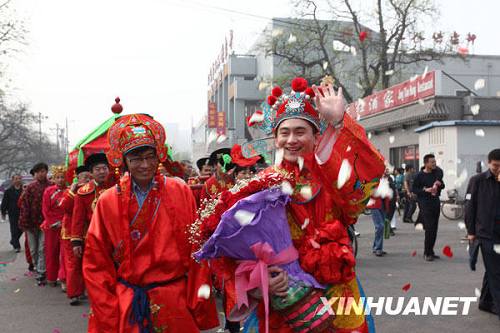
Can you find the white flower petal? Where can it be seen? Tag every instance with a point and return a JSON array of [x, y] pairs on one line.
[[204, 291], [479, 132], [369, 135], [468, 196], [306, 192], [292, 39], [300, 162], [325, 65], [414, 77], [278, 156], [305, 224], [348, 149], [389, 72], [461, 225], [391, 139], [344, 173], [244, 217], [477, 292], [479, 84], [383, 190], [286, 188], [425, 72], [353, 51], [314, 244], [496, 248], [419, 227], [359, 85], [475, 109], [421, 101], [263, 85], [212, 137], [221, 138], [256, 117]]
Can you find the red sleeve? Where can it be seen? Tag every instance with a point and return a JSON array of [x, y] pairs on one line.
[[100, 274], [46, 202], [24, 210], [351, 144], [67, 202], [78, 220], [204, 311]]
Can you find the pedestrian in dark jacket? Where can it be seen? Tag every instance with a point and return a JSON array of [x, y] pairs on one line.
[[427, 186], [482, 218], [9, 207]]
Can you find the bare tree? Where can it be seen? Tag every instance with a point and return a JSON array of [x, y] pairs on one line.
[[361, 48]]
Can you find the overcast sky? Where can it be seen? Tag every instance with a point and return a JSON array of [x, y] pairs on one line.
[[155, 54]]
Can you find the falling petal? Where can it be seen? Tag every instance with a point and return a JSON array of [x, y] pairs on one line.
[[414, 253], [325, 65], [353, 51], [496, 248], [389, 274], [292, 39], [221, 138], [204, 291], [459, 161], [263, 85], [306, 192], [369, 135], [314, 244], [244, 217], [305, 224], [348, 149], [286, 188], [447, 251], [406, 287], [414, 77], [300, 162], [425, 72], [475, 109], [421, 101], [370, 202], [344, 173], [419, 227], [359, 85], [257, 117], [479, 132], [479, 84], [17, 290], [278, 157], [468, 196], [461, 225], [391, 139], [477, 292], [212, 137], [389, 72], [383, 190]]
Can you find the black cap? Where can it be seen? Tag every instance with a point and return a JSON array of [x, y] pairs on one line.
[[80, 169], [39, 166], [217, 157], [203, 161], [98, 158]]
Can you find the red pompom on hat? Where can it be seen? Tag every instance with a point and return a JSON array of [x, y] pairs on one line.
[[299, 84], [271, 100], [117, 108], [310, 92], [238, 158], [277, 91]]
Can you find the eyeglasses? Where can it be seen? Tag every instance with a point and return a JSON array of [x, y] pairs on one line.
[[136, 161]]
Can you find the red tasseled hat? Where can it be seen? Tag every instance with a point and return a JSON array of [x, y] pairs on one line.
[[295, 105], [238, 158]]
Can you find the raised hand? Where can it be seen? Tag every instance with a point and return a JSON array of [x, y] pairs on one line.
[[330, 104]]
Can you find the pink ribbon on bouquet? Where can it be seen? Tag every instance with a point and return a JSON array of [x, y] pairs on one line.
[[252, 274]]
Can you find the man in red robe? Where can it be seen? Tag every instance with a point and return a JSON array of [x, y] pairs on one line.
[[31, 217], [137, 266], [222, 179], [51, 226], [73, 265], [86, 199], [330, 170]]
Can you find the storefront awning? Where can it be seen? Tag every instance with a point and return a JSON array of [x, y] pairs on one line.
[[408, 115]]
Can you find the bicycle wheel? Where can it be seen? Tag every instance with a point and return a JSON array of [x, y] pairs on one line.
[[452, 210]]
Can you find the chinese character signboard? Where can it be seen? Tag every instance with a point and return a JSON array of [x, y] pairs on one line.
[[404, 93], [212, 115], [221, 123]]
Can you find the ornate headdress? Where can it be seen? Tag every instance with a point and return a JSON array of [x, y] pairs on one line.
[[133, 131], [58, 170], [298, 104], [240, 160]]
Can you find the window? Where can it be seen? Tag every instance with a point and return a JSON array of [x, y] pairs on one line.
[[404, 155]]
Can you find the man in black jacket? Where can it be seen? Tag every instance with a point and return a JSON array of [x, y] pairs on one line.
[[482, 218], [427, 185], [9, 206]]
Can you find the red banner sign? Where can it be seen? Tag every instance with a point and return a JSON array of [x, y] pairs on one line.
[[221, 123], [404, 93], [212, 115]]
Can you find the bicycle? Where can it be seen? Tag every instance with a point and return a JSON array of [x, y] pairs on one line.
[[453, 208]]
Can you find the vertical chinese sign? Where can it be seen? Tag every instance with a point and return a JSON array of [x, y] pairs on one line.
[[221, 123], [212, 115]]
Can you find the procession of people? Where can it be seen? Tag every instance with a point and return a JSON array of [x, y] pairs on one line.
[[150, 245]]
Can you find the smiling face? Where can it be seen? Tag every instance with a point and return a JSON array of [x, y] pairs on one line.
[[59, 180], [296, 137], [142, 164]]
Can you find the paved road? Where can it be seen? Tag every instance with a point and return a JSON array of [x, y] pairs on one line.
[[24, 307]]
